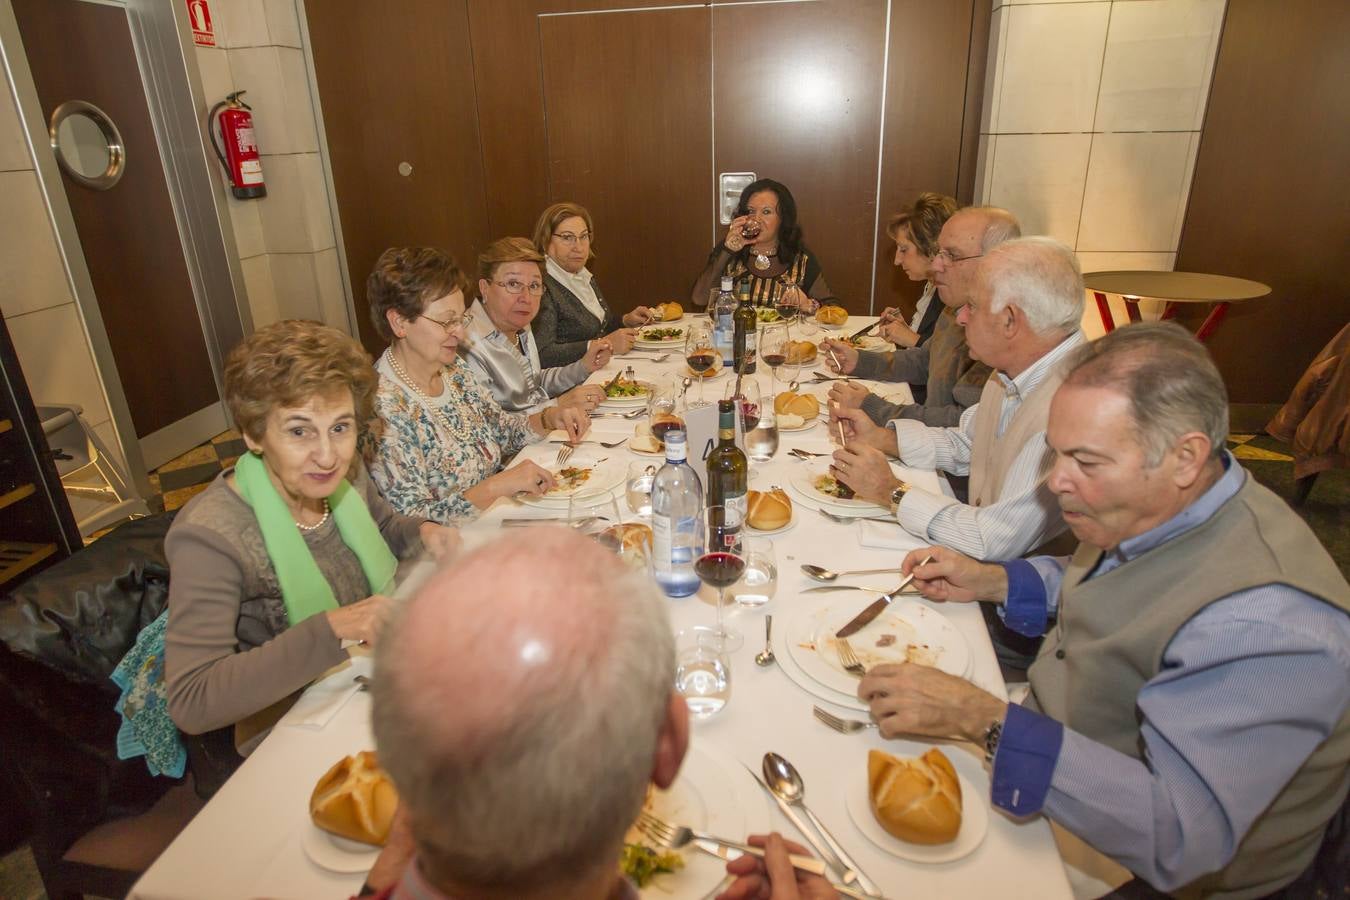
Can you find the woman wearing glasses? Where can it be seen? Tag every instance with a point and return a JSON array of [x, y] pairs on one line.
[[573, 313], [436, 446], [764, 246], [500, 349]]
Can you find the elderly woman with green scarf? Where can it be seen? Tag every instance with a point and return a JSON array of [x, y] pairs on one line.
[[289, 553]]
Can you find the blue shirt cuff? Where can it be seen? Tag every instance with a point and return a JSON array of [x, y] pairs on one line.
[[1025, 761], [1024, 611]]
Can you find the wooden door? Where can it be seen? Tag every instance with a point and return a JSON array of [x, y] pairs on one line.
[[83, 51], [626, 104]]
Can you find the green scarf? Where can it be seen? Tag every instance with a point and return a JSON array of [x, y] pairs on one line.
[[304, 590]]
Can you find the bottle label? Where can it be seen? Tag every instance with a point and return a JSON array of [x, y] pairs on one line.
[[662, 558], [733, 518]]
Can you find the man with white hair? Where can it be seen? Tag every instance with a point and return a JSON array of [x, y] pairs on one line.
[[523, 702], [1189, 713]]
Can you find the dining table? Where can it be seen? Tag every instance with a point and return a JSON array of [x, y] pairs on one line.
[[255, 838]]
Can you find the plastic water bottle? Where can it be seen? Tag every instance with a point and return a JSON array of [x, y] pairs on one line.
[[677, 500], [724, 326]]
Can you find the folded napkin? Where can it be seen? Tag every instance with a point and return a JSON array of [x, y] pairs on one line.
[[322, 700], [884, 536]]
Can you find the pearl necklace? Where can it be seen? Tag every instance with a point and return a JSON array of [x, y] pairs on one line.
[[427, 401], [319, 524], [763, 259]]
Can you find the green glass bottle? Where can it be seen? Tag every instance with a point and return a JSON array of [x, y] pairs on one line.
[[745, 321], [728, 474]]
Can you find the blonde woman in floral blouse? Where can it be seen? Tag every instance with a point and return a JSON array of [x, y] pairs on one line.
[[439, 439]]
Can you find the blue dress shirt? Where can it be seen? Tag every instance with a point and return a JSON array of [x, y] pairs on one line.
[[1249, 687]]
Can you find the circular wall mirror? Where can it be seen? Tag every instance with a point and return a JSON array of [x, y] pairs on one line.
[[87, 144]]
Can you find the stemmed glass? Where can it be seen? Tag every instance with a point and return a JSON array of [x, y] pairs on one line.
[[721, 565], [663, 409], [700, 352], [748, 403], [774, 343]]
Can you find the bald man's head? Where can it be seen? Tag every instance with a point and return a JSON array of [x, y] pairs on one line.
[[519, 699], [965, 237]]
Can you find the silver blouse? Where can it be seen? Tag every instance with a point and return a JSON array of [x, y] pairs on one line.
[[510, 368]]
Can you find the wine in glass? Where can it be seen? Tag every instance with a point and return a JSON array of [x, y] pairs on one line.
[[774, 343], [747, 398], [663, 409], [700, 351], [722, 564], [786, 300]]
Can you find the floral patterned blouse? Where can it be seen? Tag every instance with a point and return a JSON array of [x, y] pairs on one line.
[[424, 461]]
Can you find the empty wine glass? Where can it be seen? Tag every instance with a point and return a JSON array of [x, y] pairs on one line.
[[700, 351], [722, 563]]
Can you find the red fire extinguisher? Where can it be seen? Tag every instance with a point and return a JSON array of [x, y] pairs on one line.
[[240, 156]]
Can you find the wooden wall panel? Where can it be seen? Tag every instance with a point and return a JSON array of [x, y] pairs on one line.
[[934, 88], [400, 88], [626, 99], [798, 98], [1268, 200]]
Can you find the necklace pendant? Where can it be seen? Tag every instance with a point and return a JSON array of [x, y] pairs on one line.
[[761, 261]]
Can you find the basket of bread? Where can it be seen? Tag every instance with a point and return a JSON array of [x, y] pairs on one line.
[[832, 316], [355, 799]]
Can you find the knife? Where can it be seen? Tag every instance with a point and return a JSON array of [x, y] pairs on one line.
[[864, 330], [830, 857], [851, 587], [731, 851], [862, 619]]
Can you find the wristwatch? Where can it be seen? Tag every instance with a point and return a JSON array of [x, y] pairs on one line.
[[992, 735], [898, 494]]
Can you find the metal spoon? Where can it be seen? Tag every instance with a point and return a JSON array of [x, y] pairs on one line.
[[825, 576], [785, 783], [765, 656]]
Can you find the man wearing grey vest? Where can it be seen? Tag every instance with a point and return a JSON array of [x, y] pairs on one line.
[[1189, 713]]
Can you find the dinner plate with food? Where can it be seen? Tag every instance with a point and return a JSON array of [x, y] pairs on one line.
[[582, 476], [713, 794], [831, 317], [626, 393], [815, 481], [768, 512], [801, 404], [907, 631], [660, 336], [925, 809], [351, 811]]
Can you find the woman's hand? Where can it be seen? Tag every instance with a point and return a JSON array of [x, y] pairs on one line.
[[735, 240], [840, 356], [638, 317], [570, 419], [773, 878], [597, 355], [360, 621], [898, 333], [441, 541], [584, 397], [621, 340], [525, 477]]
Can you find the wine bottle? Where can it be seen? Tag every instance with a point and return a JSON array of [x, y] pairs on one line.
[[724, 309], [728, 474], [743, 335]]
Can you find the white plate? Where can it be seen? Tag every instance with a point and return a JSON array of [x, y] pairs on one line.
[[805, 426], [605, 477], [337, 854], [974, 820], [794, 672], [804, 480], [662, 344], [628, 402], [935, 638], [713, 793], [790, 522], [654, 453]]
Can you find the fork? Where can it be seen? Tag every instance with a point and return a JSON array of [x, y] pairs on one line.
[[805, 454], [673, 837], [843, 726], [846, 519], [608, 445], [640, 411], [564, 454], [847, 658]]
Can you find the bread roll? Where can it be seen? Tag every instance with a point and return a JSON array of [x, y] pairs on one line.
[[917, 800], [355, 799], [832, 315], [804, 405], [670, 311], [801, 352], [768, 510], [628, 537]]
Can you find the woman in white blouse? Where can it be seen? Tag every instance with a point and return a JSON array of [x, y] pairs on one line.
[[573, 312], [915, 232]]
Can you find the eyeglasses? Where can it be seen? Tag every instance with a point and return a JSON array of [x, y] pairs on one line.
[[536, 288], [948, 257], [571, 239], [453, 322]]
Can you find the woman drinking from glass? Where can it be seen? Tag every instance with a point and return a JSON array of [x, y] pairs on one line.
[[440, 441]]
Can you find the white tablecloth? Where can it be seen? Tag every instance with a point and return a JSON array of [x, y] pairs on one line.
[[247, 841]]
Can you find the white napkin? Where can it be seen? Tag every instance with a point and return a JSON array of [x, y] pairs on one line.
[[323, 699], [885, 536]]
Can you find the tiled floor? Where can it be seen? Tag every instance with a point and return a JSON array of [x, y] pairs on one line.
[[181, 479]]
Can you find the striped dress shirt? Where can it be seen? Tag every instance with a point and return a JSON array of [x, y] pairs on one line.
[[1026, 513]]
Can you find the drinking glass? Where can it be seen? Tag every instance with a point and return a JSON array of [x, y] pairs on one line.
[[590, 515], [760, 580], [722, 564], [702, 671], [748, 403], [700, 351], [785, 301], [774, 343], [663, 408], [638, 488]]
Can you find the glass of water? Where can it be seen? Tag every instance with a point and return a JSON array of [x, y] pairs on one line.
[[702, 670], [760, 580], [638, 488]]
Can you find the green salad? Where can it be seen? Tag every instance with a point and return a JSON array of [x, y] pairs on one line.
[[767, 314], [625, 388], [642, 864], [661, 334]]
